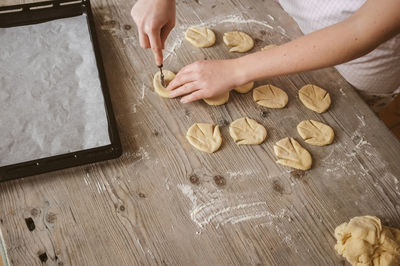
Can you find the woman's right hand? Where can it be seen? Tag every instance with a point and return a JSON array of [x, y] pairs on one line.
[[155, 19]]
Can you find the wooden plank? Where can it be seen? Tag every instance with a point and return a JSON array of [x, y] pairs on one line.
[[144, 209]]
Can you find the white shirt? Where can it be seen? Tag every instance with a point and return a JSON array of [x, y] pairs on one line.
[[375, 73]]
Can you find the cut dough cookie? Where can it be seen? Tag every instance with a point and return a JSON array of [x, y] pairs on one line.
[[218, 100], [315, 133], [239, 41], [291, 153], [315, 98], [268, 47], [158, 87], [270, 96], [245, 88], [204, 137], [200, 36], [364, 241], [247, 131]]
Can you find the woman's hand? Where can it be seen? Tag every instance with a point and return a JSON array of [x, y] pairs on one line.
[[206, 79], [155, 19]]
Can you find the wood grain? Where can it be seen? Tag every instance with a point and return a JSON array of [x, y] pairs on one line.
[[163, 202]]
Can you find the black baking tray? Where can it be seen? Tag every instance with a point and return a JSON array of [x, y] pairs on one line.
[[33, 13]]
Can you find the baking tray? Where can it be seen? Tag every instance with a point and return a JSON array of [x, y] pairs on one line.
[[33, 13]]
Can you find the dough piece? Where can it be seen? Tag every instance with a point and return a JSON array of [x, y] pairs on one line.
[[292, 154], [268, 47], [204, 137], [270, 96], [247, 131], [315, 133], [315, 98], [245, 88], [364, 241], [200, 37], [239, 41], [158, 87], [218, 100]]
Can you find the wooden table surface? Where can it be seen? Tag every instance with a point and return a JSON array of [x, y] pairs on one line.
[[163, 202]]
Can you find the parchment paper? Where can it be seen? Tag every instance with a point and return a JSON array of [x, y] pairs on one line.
[[50, 94]]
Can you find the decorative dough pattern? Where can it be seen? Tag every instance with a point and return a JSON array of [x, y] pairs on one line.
[[204, 137], [315, 133], [239, 41], [158, 87], [291, 153], [245, 88], [270, 96], [247, 131], [200, 37], [218, 100], [315, 98], [364, 241]]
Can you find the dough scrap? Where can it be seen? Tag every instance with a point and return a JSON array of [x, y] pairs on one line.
[[315, 98], [364, 241], [247, 131], [239, 41], [291, 153], [200, 36], [204, 137], [268, 47], [218, 100], [158, 87], [315, 133], [245, 88], [270, 96]]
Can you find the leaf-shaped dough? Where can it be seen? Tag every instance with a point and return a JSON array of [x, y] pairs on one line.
[[292, 154], [315, 133], [270, 96], [204, 137], [218, 100], [247, 131], [158, 87], [239, 41], [245, 88], [200, 36], [315, 98]]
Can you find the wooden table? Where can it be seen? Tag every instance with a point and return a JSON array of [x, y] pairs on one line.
[[163, 202]]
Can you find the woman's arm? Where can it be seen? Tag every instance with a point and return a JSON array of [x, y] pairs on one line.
[[374, 23]]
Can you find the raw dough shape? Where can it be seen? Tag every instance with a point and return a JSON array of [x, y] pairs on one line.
[[239, 41], [270, 96], [247, 131], [267, 47], [364, 241], [158, 87], [291, 153], [245, 88], [315, 133], [218, 100], [204, 137], [200, 36], [315, 98]]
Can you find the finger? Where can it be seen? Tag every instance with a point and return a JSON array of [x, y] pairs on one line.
[[183, 90], [165, 31], [158, 56], [197, 95], [155, 43], [180, 80], [144, 40]]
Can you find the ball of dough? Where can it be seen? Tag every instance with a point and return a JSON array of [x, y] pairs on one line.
[[268, 47], [218, 100], [158, 87], [247, 131], [291, 153], [239, 41], [315, 98], [270, 96], [364, 241], [204, 137], [245, 88], [200, 36], [315, 133]]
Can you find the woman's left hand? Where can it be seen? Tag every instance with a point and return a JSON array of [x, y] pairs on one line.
[[206, 79]]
